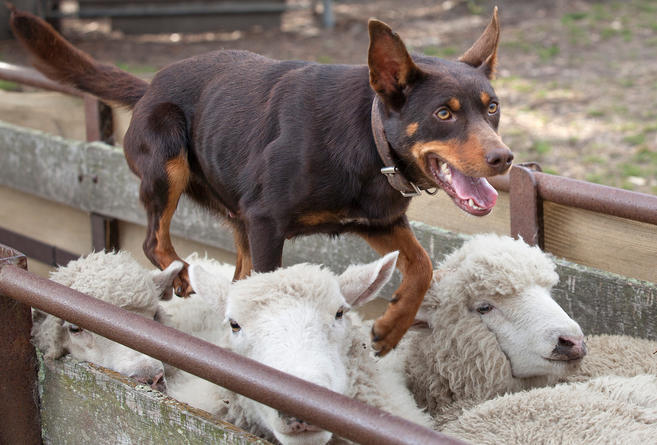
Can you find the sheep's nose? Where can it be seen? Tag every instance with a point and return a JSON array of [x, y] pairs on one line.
[[156, 381], [295, 425], [569, 348]]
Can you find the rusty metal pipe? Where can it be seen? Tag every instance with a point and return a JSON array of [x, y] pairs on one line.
[[589, 196], [597, 198], [19, 409], [346, 417], [29, 76]]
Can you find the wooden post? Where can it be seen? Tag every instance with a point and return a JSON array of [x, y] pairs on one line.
[[98, 120], [20, 422], [104, 233]]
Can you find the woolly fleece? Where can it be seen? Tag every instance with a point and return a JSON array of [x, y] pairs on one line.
[[370, 381], [459, 362], [607, 410], [115, 278]]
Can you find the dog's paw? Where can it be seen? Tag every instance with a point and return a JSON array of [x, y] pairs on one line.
[[181, 284], [386, 334]]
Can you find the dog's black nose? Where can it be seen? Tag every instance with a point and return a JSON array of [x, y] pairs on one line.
[[499, 159]]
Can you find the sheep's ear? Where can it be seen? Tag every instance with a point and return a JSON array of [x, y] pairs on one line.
[[211, 287], [362, 283], [163, 279]]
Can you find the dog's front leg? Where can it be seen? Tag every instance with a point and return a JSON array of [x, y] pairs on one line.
[[416, 268]]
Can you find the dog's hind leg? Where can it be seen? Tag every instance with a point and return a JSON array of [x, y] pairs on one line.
[[156, 149], [416, 268]]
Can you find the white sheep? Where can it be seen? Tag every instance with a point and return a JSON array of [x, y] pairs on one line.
[[605, 410], [493, 328], [118, 279], [297, 320]]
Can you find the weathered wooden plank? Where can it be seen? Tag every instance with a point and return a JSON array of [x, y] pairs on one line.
[[439, 211], [605, 242], [606, 303], [85, 404]]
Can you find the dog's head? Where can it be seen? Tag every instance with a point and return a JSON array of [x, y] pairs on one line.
[[440, 117]]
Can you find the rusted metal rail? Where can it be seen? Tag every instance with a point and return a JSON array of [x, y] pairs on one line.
[[344, 416], [528, 189], [19, 409]]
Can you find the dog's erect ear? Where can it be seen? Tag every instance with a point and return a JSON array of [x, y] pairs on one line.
[[391, 67], [483, 54]]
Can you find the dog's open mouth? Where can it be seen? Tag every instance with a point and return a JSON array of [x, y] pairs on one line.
[[474, 195]]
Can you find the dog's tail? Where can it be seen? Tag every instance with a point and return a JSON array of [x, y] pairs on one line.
[[60, 61]]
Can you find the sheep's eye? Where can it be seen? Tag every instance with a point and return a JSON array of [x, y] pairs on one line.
[[443, 113], [74, 328], [234, 326], [484, 308], [339, 314], [492, 108]]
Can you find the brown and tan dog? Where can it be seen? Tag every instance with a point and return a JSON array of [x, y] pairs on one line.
[[287, 148]]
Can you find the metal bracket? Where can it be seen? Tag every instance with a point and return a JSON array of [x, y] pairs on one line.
[[391, 172], [526, 206]]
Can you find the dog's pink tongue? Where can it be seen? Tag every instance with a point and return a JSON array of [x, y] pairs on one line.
[[477, 189]]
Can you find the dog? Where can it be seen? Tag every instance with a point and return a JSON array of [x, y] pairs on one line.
[[281, 149]]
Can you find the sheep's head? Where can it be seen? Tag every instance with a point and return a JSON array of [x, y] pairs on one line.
[[114, 278], [492, 298], [296, 320]]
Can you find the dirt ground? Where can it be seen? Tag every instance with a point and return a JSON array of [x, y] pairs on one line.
[[577, 79]]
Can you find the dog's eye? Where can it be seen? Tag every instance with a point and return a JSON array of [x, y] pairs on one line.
[[234, 326], [492, 108], [443, 113], [485, 308], [73, 328]]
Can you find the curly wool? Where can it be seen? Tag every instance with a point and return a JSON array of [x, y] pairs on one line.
[[619, 355], [460, 362], [116, 278], [606, 410]]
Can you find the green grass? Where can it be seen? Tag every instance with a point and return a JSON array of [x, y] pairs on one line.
[[135, 68], [594, 159], [646, 155], [628, 185], [9, 86], [627, 82], [445, 52], [595, 113], [548, 53], [635, 139], [630, 170], [573, 17], [596, 178], [541, 147], [324, 59]]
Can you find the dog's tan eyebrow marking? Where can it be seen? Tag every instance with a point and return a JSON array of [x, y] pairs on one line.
[[411, 129], [454, 104], [485, 98]]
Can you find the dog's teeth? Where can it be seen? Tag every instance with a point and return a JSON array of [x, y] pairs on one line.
[[444, 168], [471, 202]]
